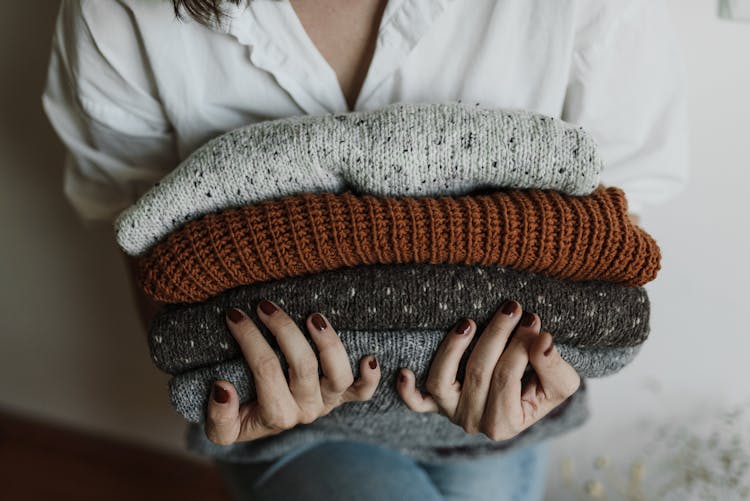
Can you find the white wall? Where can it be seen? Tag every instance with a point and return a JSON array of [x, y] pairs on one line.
[[72, 349], [695, 364]]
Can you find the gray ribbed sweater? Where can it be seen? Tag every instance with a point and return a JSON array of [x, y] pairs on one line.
[[400, 149], [406, 297]]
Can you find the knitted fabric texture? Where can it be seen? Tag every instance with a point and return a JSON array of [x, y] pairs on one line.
[[451, 444], [400, 149], [400, 297], [574, 238], [189, 392], [384, 418]]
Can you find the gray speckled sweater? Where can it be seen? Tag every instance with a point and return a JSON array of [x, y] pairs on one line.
[[400, 149], [584, 315]]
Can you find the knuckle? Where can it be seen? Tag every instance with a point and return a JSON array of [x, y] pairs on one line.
[[495, 432], [340, 384], [306, 367], [309, 414], [267, 365], [503, 375], [474, 376], [434, 386], [280, 421]]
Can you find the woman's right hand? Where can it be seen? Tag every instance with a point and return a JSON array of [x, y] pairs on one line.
[[283, 404]]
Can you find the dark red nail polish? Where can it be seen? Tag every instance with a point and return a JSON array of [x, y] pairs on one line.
[[509, 307], [527, 319], [235, 315], [401, 378], [318, 321], [267, 307], [220, 394], [462, 327], [373, 363]]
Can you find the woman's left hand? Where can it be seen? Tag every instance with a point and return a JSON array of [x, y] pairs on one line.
[[492, 399]]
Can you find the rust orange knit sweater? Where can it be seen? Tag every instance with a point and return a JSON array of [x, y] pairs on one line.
[[563, 236]]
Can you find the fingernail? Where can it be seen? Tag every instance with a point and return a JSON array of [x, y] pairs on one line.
[[319, 322], [373, 363], [527, 319], [235, 315], [267, 307], [509, 307], [462, 327], [550, 348], [220, 394], [401, 378]]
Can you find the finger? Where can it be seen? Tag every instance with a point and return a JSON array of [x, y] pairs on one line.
[[222, 414], [481, 365], [441, 381], [558, 378], [413, 397], [271, 387], [334, 362], [504, 411], [364, 387], [304, 379]]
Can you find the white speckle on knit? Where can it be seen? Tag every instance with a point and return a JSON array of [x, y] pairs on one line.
[[477, 304], [489, 286], [192, 343], [316, 296], [443, 306], [602, 294], [459, 285], [388, 291], [540, 299], [223, 345], [281, 301], [158, 339], [352, 292]]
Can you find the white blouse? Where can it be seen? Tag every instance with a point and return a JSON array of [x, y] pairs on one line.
[[132, 91]]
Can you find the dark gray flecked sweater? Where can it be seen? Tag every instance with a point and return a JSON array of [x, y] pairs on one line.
[[583, 315]]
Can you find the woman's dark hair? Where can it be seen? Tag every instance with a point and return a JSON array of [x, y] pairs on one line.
[[203, 11]]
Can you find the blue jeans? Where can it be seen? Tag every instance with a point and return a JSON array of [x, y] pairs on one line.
[[365, 472]]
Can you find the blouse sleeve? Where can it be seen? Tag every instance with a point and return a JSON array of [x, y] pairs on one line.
[[104, 106], [628, 88]]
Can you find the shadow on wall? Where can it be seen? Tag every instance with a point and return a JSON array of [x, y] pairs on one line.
[[71, 346]]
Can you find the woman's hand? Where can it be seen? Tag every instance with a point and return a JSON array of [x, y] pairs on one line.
[[283, 404], [492, 398]]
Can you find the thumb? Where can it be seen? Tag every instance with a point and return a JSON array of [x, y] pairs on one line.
[[558, 378], [222, 414]]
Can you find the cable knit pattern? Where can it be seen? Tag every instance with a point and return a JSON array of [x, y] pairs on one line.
[[401, 149], [565, 237], [587, 314]]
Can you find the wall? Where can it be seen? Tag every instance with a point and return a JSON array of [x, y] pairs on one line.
[[73, 351]]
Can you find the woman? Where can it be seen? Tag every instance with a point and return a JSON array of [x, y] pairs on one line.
[[132, 91]]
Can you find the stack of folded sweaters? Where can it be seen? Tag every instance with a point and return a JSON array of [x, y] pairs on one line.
[[393, 223]]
